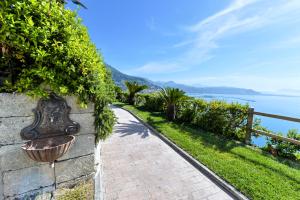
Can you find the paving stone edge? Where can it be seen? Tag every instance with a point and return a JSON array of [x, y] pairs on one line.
[[98, 187], [229, 189]]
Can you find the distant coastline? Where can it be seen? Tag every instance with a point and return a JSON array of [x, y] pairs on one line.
[[218, 96], [119, 79], [280, 95]]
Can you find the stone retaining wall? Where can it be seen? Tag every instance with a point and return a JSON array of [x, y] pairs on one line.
[[21, 176]]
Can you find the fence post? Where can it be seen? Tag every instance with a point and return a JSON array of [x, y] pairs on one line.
[[249, 125]]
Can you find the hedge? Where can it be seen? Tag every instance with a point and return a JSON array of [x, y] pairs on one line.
[[220, 117]]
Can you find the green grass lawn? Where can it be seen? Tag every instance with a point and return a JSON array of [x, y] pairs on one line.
[[256, 174]]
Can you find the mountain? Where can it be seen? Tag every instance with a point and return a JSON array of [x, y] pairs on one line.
[[294, 92], [228, 90], [186, 88], [120, 77], [208, 90]]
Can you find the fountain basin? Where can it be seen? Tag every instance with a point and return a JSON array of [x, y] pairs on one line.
[[48, 149]]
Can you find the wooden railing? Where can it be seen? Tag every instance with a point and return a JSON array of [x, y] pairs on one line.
[[250, 129]]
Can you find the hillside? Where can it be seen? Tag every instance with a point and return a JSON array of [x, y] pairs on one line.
[[208, 90], [120, 77]]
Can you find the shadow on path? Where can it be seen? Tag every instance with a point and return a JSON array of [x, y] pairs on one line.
[[131, 128]]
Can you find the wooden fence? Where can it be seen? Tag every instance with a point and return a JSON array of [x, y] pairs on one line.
[[250, 129]]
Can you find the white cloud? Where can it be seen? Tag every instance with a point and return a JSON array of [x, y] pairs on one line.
[[291, 42], [242, 16], [234, 6], [151, 24], [158, 68], [206, 35]]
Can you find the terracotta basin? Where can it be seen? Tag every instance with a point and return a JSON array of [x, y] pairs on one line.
[[48, 149]]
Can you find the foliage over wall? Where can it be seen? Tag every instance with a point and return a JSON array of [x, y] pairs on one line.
[[46, 48]]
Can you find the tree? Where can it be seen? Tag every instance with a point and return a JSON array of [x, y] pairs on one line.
[[171, 98], [77, 2], [133, 88]]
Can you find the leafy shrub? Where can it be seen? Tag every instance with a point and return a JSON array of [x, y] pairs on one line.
[[118, 92], [124, 97], [228, 119], [171, 98], [136, 98], [133, 88], [223, 118], [104, 121], [139, 100], [285, 149], [189, 109], [153, 102], [46, 48], [121, 95]]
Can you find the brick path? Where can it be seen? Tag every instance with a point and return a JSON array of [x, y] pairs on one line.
[[137, 165]]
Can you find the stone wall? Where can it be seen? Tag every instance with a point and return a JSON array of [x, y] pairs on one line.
[[21, 176]]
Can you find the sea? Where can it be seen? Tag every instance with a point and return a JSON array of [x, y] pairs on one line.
[[272, 104]]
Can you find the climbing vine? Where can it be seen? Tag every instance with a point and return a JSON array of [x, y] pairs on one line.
[[45, 47]]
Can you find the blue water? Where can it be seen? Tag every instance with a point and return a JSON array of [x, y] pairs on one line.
[[279, 105]]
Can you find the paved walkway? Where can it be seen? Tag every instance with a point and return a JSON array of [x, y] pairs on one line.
[[137, 165]]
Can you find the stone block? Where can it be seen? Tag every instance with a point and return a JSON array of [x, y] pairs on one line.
[[74, 168], [84, 145], [39, 194], [28, 179], [22, 105], [16, 105], [75, 108], [12, 157], [1, 187], [11, 127], [86, 122], [75, 182], [44, 196]]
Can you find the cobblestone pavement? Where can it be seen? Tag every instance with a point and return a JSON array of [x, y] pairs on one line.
[[137, 165]]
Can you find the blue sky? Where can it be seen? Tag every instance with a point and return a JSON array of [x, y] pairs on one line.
[[241, 43]]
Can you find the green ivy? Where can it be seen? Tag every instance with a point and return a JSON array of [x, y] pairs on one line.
[[44, 47]]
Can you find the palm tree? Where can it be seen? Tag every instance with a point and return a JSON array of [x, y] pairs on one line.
[[171, 98], [133, 88]]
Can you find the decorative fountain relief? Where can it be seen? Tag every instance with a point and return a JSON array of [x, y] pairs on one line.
[[48, 137], [51, 134]]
